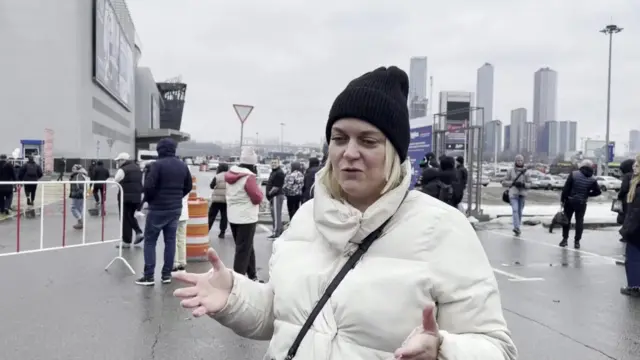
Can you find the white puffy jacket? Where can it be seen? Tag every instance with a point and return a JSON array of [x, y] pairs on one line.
[[428, 253]]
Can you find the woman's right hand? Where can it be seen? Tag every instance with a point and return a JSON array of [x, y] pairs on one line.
[[208, 292]]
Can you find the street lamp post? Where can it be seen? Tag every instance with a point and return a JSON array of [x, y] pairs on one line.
[[609, 30], [282, 137]]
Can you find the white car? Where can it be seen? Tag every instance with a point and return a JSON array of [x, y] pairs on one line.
[[551, 182], [213, 165], [484, 180], [609, 183]]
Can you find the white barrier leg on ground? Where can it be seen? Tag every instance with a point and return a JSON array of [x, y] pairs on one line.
[[42, 216], [120, 257]]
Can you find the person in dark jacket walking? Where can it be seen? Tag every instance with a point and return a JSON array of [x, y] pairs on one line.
[[77, 194], [579, 186], [129, 177], [219, 199], [30, 171], [630, 232], [6, 190], [275, 195], [463, 176], [168, 181], [310, 179], [99, 173]]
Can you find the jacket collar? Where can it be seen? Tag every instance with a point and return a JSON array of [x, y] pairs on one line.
[[340, 224]]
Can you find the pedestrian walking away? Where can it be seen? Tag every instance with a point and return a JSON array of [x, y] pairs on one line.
[[275, 195], [219, 199], [99, 173], [166, 183], [630, 232], [31, 171], [243, 204], [368, 269], [517, 193], [77, 194], [578, 188], [129, 177], [293, 187], [6, 190]]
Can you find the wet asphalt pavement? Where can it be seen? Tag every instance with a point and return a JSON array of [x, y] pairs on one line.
[[559, 303]]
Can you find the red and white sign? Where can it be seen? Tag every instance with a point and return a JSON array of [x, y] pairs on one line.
[[243, 111], [48, 150]]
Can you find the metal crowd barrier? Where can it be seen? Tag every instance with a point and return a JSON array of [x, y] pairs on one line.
[[24, 214]]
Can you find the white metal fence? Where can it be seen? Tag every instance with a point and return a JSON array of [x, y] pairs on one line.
[[51, 208]]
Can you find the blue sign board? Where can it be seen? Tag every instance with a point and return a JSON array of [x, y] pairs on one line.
[[419, 145], [611, 152]]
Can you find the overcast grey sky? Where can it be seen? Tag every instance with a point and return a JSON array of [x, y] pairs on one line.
[[290, 58]]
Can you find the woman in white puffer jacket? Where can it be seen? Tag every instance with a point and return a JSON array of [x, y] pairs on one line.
[[424, 288]]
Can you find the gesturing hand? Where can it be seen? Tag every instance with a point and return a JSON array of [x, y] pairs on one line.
[[424, 343], [208, 293]]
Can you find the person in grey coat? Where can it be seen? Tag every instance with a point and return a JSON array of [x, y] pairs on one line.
[[520, 181]]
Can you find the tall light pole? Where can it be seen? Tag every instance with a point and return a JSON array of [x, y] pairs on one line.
[[609, 30], [282, 136]]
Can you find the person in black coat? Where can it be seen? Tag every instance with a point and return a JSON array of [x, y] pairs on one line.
[[310, 179], [578, 188], [630, 232], [99, 173], [442, 183], [6, 190]]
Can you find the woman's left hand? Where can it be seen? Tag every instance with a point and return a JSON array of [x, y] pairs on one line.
[[424, 343]]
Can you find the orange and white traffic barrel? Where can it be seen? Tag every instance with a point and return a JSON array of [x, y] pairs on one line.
[[197, 230], [193, 195]]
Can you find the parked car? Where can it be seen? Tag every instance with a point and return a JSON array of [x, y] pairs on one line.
[[213, 165], [551, 182], [484, 180], [608, 183]]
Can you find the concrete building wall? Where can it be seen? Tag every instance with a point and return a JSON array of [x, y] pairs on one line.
[[47, 66], [147, 106]]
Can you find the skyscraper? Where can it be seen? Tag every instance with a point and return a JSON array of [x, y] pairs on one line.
[[634, 141], [484, 92], [484, 100], [518, 129], [418, 87], [493, 139], [507, 138], [545, 103], [530, 138], [559, 137]]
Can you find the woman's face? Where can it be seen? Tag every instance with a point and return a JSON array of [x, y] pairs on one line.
[[357, 155], [636, 168], [519, 162]]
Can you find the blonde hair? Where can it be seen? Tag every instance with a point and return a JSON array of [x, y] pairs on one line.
[[634, 183], [393, 170]]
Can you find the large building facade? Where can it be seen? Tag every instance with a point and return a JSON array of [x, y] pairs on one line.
[[634, 141], [545, 103], [456, 112], [73, 79], [418, 102], [518, 132]]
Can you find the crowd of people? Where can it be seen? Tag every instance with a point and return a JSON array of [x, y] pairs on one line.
[[236, 196], [444, 179]]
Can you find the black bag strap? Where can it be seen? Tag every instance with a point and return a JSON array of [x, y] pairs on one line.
[[350, 264], [516, 179]]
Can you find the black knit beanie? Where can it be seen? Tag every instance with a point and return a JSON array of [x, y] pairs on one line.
[[378, 97]]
